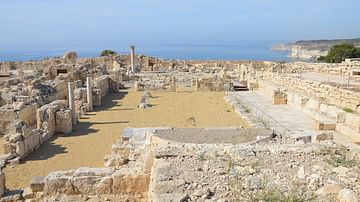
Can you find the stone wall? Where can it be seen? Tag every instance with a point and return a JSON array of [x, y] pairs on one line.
[[21, 140], [328, 116], [54, 118], [329, 94], [102, 87], [18, 110]]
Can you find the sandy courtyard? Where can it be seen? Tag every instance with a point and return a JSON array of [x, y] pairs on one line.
[[93, 136]]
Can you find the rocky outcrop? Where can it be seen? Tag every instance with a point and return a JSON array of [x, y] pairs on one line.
[[311, 50]]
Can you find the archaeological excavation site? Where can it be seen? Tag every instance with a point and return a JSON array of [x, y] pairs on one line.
[[132, 127]]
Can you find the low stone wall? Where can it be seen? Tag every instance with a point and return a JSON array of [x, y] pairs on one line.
[[18, 110], [211, 85], [103, 85], [332, 95], [328, 116], [54, 118], [21, 140]]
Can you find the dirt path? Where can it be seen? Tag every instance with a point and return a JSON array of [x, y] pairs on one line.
[[94, 135]]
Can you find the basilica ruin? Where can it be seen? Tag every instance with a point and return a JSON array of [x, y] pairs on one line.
[[299, 136]]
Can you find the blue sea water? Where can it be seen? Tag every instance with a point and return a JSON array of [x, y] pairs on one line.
[[244, 51]]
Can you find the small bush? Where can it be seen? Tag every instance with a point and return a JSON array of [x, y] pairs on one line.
[[348, 110], [107, 53], [337, 160]]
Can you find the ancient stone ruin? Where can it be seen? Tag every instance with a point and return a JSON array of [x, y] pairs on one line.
[[300, 140]]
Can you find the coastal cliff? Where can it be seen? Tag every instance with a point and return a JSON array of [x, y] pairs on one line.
[[313, 49]]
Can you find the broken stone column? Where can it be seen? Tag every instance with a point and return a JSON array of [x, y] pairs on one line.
[[196, 84], [143, 102], [173, 83], [63, 122], [89, 93], [132, 58], [72, 102]]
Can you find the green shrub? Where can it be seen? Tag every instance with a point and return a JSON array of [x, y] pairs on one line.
[[340, 52], [348, 110], [107, 53]]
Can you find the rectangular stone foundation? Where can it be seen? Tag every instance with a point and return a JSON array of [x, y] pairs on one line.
[[325, 126], [279, 98]]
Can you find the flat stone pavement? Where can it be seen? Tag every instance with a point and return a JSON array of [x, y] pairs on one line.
[[288, 116]]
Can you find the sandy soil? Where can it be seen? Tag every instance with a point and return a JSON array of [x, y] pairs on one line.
[[94, 135]]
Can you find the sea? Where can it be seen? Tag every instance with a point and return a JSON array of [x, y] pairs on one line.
[[254, 51]]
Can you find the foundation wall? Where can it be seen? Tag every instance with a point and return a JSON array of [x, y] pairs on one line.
[[331, 95]]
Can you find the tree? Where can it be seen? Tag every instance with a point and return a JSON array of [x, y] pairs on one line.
[[107, 53], [339, 53]]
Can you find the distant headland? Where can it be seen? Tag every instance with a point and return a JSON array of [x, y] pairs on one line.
[[312, 49]]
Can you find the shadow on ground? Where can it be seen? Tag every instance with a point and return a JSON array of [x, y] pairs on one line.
[[50, 148], [46, 151]]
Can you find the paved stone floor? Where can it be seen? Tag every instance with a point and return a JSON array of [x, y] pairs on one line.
[[289, 116]]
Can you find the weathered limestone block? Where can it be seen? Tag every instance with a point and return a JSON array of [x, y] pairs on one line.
[[63, 121], [347, 195], [13, 138], [324, 136], [114, 161], [104, 186], [353, 121], [32, 142], [7, 149], [279, 98], [97, 97], [28, 113], [341, 117], [80, 94], [37, 184], [348, 131], [46, 119], [121, 149], [114, 86], [61, 90], [20, 148], [102, 83], [130, 183], [319, 125], [28, 194], [86, 181], [313, 105]]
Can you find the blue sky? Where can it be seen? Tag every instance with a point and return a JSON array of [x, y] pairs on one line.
[[95, 23]]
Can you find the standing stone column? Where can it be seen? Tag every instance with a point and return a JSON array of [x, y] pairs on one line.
[[196, 84], [173, 82], [72, 102], [132, 58], [89, 93]]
